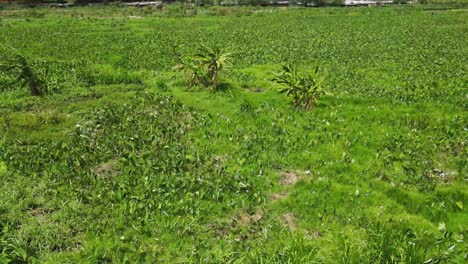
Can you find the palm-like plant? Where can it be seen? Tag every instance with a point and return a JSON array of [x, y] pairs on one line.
[[213, 59], [26, 75], [191, 70], [204, 67], [304, 88]]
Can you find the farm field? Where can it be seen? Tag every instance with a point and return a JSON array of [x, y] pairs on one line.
[[119, 161]]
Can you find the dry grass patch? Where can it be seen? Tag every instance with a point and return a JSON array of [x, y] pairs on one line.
[[278, 196], [107, 170], [39, 213], [289, 221], [289, 178], [245, 219]]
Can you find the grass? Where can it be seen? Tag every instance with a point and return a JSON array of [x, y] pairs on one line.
[[121, 163]]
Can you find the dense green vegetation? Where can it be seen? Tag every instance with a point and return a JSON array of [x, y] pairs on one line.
[[120, 163]]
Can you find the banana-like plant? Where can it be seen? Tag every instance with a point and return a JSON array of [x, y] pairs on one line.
[[213, 60], [192, 71], [204, 67], [304, 88], [26, 75]]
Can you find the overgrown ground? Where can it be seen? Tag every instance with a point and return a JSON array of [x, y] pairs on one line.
[[121, 163]]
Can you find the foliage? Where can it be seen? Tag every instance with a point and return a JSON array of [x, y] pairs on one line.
[[213, 60], [204, 67], [304, 88], [121, 164], [193, 72], [26, 75]]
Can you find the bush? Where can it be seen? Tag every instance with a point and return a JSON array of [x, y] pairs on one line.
[[204, 67], [303, 87]]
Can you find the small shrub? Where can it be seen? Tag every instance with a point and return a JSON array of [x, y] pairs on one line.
[[192, 71], [204, 67], [303, 87]]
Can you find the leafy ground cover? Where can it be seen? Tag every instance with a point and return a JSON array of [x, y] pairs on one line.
[[119, 162]]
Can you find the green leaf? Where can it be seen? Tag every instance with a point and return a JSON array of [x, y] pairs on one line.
[[190, 157]]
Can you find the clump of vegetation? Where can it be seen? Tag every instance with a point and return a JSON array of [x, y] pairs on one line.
[[204, 67], [122, 165], [26, 75], [304, 88]]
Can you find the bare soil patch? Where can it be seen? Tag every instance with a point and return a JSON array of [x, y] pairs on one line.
[[317, 234], [39, 213], [289, 221], [106, 170], [278, 196], [218, 161], [245, 219], [289, 178]]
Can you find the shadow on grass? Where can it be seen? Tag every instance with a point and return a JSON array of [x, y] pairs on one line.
[[225, 87]]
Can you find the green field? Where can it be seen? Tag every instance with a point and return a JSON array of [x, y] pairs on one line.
[[119, 162]]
